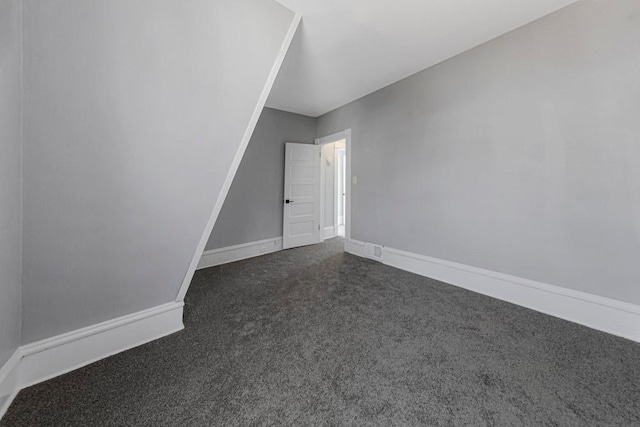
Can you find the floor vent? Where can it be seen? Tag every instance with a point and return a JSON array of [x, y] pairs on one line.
[[374, 251]]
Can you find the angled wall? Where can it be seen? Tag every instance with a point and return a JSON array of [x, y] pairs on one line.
[[253, 208], [10, 178], [134, 113], [520, 156]]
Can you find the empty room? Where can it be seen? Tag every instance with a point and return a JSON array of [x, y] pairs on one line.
[[319, 212]]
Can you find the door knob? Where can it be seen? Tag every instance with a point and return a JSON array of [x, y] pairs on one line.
[[288, 201]]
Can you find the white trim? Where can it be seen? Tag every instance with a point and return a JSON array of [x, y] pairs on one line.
[[9, 381], [601, 313], [354, 247], [236, 161], [51, 357], [58, 355], [235, 253], [329, 232], [332, 138]]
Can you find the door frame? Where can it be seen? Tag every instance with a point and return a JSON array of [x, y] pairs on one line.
[[346, 135]]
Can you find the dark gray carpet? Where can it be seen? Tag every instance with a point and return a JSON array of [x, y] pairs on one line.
[[312, 336]]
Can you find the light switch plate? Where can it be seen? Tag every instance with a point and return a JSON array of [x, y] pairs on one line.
[[354, 180]]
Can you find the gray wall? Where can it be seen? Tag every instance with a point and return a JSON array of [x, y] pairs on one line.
[[134, 111], [253, 208], [10, 177], [521, 156]]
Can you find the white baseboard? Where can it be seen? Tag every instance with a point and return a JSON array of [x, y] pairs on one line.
[[354, 247], [55, 356], [9, 381], [239, 252], [46, 359], [604, 314], [329, 232]]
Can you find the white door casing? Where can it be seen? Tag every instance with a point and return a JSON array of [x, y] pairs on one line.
[[301, 224]]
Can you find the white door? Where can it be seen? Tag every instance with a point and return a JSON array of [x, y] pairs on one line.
[[301, 224]]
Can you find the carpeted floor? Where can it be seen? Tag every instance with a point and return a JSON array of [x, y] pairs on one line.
[[313, 336]]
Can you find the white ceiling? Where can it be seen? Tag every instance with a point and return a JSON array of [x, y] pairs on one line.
[[346, 49]]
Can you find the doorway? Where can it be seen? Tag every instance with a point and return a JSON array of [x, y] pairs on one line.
[[333, 191], [317, 191], [340, 187], [335, 185]]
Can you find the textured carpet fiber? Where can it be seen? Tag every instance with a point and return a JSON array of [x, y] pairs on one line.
[[313, 336]]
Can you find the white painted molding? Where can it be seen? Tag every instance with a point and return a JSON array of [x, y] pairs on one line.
[[604, 314], [239, 252], [9, 381], [58, 355], [51, 357], [236, 160], [331, 138], [355, 247], [329, 232]]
